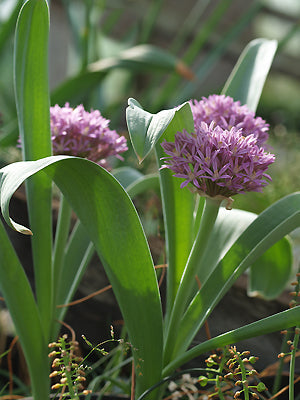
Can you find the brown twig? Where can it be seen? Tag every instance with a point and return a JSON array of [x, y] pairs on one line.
[[90, 296], [164, 267], [70, 329], [73, 303]]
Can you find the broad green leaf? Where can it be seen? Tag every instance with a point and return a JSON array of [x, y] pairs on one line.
[[247, 79], [80, 249], [145, 129], [138, 58], [19, 300], [270, 226], [230, 224], [269, 274], [33, 108], [113, 226], [277, 322]]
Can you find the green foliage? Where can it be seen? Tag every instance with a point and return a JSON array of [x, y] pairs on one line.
[[248, 77]]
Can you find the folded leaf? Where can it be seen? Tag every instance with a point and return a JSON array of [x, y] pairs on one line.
[[145, 129]]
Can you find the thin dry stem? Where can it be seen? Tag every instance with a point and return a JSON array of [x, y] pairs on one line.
[[108, 287]]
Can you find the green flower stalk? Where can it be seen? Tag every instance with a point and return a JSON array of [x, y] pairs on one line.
[[208, 219]]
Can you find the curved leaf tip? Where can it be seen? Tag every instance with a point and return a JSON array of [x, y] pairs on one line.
[[146, 129], [132, 103]]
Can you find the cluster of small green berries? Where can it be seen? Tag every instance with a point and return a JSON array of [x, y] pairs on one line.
[[67, 367], [231, 376]]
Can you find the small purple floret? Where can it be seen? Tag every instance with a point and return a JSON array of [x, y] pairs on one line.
[[84, 134], [218, 162], [226, 113]]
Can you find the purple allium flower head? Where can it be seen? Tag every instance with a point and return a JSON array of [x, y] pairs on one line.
[[218, 162], [226, 113], [84, 134]]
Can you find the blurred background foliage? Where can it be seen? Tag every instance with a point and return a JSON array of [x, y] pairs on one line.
[[164, 52]]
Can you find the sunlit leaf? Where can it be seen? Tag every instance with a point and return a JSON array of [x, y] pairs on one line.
[[113, 226], [270, 226], [32, 93], [277, 322], [270, 274], [247, 79]]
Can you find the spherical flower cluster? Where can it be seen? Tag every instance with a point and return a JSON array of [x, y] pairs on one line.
[[218, 162], [226, 113], [84, 134]]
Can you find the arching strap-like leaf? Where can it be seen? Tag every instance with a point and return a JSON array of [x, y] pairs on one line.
[[269, 274], [230, 224], [247, 79], [283, 320], [269, 227], [137, 58], [112, 224]]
